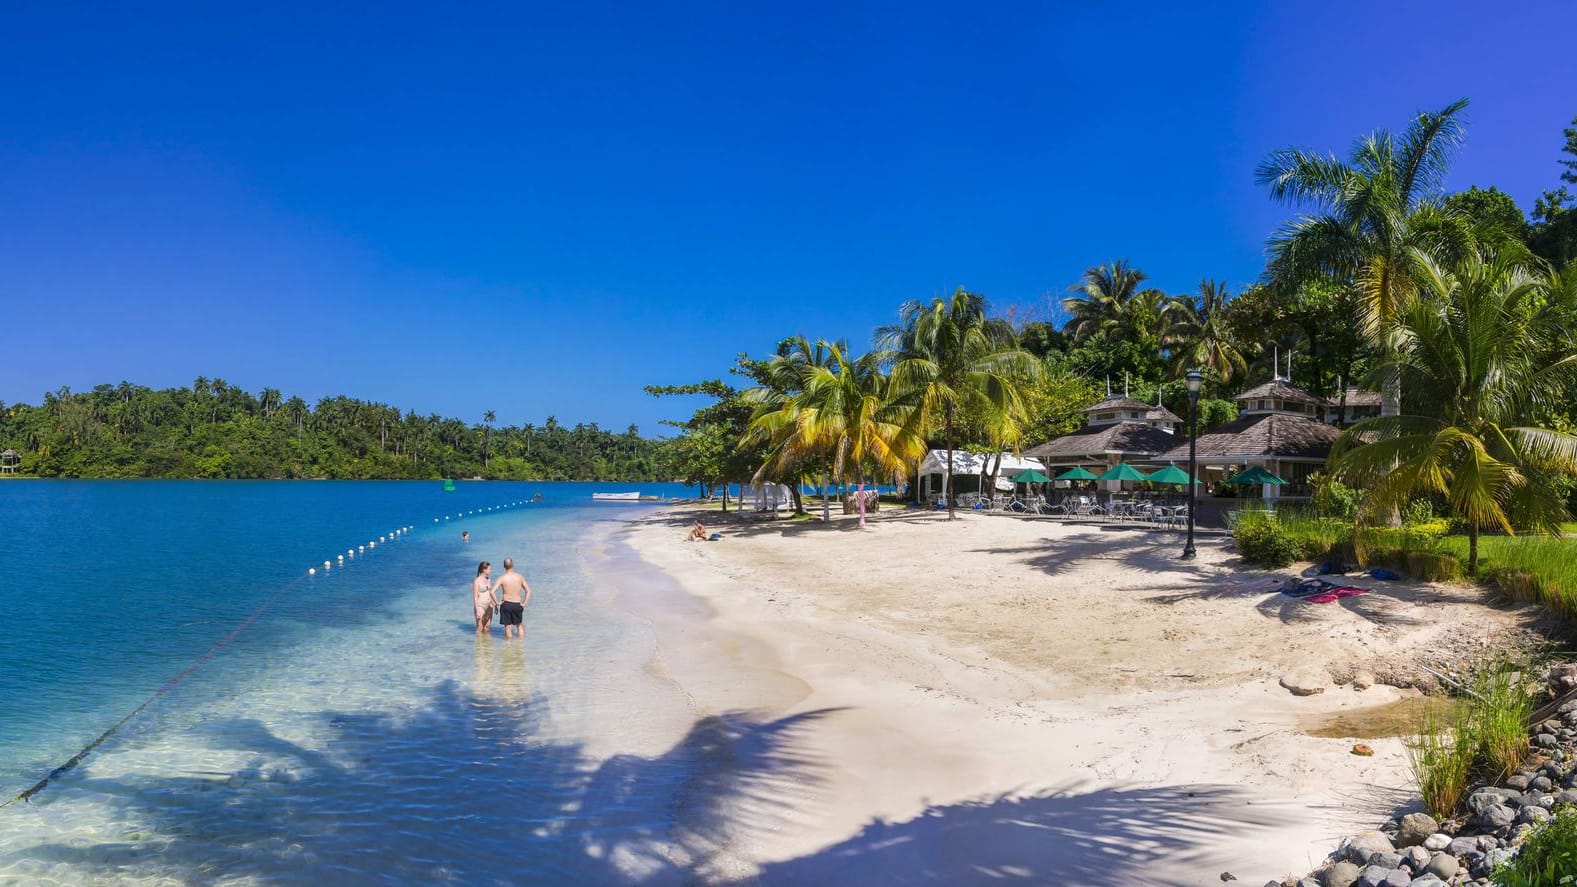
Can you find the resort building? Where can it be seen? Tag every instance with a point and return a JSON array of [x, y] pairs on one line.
[[1279, 427], [9, 461], [1117, 429], [1352, 405]]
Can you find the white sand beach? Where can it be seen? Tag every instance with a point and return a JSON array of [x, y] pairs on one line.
[[1031, 700]]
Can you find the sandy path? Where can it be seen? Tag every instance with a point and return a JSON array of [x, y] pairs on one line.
[[1053, 703]]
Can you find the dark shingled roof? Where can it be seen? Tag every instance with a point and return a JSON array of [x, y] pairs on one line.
[[1357, 397], [1278, 388], [1127, 438], [1119, 402], [1267, 434]]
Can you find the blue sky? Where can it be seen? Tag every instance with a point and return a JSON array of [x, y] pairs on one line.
[[538, 209]]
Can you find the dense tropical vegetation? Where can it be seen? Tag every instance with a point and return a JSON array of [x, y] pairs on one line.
[[214, 429], [1459, 309]]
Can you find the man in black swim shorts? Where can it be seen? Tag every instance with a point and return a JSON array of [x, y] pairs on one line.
[[516, 593]]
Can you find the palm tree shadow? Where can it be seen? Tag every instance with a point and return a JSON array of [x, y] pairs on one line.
[[467, 788], [1101, 837]]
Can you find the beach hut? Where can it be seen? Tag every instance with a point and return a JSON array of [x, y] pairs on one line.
[[10, 461]]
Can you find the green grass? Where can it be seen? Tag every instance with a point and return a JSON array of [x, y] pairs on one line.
[[1441, 755], [1538, 569], [1485, 736]]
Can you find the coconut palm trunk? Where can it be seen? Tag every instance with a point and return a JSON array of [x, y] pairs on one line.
[[947, 485]]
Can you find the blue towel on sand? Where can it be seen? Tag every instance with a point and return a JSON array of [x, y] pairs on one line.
[[1383, 573]]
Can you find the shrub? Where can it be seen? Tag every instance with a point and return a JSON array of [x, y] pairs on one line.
[[1332, 498], [1418, 511], [1548, 857], [1441, 755], [1261, 539]]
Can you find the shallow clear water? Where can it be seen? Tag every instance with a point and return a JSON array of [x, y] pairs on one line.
[[357, 730]]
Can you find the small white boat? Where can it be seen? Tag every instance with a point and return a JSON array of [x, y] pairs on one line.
[[616, 497]]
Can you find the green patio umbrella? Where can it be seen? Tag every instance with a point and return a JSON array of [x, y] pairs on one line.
[[1255, 474], [1076, 474], [1122, 471], [1030, 476], [1171, 474]]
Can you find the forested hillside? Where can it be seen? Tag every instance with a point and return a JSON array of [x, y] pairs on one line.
[[214, 429]]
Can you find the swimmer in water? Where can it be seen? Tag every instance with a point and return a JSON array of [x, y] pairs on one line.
[[465, 535]]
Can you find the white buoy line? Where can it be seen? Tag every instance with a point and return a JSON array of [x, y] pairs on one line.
[[393, 534]]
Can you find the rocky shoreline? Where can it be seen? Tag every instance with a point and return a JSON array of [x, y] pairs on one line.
[[1415, 850]]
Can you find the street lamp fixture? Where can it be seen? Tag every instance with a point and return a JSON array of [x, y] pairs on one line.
[[1195, 381]]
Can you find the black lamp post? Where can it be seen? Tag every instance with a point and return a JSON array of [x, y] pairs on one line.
[[1194, 381]]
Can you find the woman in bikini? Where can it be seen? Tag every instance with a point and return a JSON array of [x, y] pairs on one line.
[[482, 597]]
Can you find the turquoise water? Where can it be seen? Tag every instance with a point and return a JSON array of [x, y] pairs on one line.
[[357, 730]]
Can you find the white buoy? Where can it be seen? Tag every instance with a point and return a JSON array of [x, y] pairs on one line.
[[312, 571]]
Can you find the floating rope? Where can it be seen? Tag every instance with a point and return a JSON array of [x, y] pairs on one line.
[[186, 672]]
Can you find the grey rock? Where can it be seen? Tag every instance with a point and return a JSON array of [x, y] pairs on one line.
[[1426, 880], [1461, 846], [1437, 841], [1386, 860], [1533, 815], [1443, 866], [1487, 843], [1341, 874], [1380, 876], [1566, 796], [1486, 797], [1359, 848], [1541, 784], [1497, 817], [1415, 858], [1543, 740], [1533, 799], [1308, 882], [1414, 828], [1494, 859], [1567, 708], [1519, 781]]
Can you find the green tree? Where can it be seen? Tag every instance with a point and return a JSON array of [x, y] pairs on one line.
[[1204, 338], [1478, 357], [1492, 211], [841, 409], [1378, 219], [949, 355]]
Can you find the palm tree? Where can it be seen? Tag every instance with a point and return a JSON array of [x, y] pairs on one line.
[[844, 411], [949, 355], [1104, 294], [786, 375], [1378, 219], [487, 437], [1202, 338], [1479, 355]]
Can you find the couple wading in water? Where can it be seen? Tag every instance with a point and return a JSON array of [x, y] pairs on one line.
[[510, 596]]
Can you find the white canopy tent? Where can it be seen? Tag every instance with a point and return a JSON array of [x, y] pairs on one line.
[[933, 470], [771, 496]]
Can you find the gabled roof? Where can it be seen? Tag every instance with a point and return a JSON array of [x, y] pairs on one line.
[[1263, 435], [1094, 442], [1279, 388], [9, 454]]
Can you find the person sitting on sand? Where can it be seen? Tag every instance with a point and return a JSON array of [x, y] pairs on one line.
[[482, 597], [697, 533], [515, 594]]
